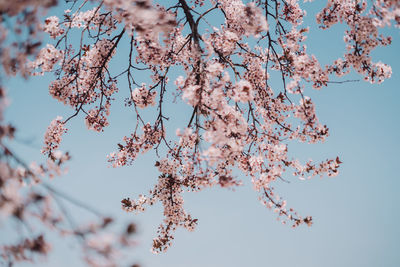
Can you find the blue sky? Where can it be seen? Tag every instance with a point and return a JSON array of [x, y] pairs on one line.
[[356, 214]]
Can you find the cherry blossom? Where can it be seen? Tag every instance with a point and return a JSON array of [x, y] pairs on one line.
[[239, 121], [52, 137]]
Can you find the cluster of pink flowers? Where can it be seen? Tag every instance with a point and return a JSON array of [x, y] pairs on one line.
[[96, 119], [142, 16], [362, 37], [52, 27], [386, 11], [143, 97], [187, 139], [243, 20], [47, 58], [17, 44], [135, 144], [242, 92], [52, 137], [169, 192]]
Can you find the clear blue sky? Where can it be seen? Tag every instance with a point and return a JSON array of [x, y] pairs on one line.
[[356, 214]]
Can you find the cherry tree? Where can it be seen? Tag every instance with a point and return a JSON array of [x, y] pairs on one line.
[[226, 53]]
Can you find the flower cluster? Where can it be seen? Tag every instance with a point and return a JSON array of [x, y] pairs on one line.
[[52, 137], [52, 27], [362, 36], [143, 97], [142, 16], [47, 58], [135, 144], [169, 192]]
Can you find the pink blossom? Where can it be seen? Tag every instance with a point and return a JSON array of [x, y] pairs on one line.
[[143, 98], [53, 136]]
